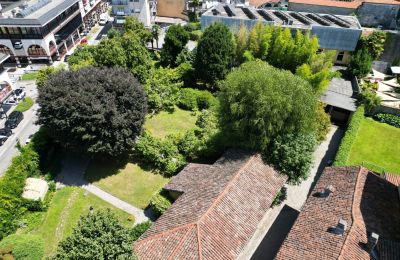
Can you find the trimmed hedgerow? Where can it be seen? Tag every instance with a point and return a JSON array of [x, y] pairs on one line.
[[348, 139], [160, 202], [388, 119], [194, 99]]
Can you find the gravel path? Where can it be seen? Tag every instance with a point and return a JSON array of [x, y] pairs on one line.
[[72, 174]]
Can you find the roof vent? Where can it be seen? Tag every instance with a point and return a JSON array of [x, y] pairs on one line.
[[372, 241], [339, 228], [325, 192]]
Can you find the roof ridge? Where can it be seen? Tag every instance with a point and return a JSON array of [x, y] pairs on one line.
[[181, 242], [199, 242], [352, 212]]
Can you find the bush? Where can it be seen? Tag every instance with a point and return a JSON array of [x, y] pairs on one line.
[[370, 100], [194, 26], [194, 99], [23, 246], [280, 197], [389, 119], [292, 155], [322, 123], [160, 203], [139, 229], [195, 35], [345, 146], [162, 154]]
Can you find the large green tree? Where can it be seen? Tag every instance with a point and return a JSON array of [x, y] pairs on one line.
[[175, 41], [361, 63], [98, 235], [259, 102], [110, 53], [94, 110], [215, 53], [133, 25]]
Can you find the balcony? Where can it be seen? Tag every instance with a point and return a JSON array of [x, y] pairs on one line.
[[119, 2]]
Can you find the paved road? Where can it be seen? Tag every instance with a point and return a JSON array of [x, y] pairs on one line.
[[72, 174], [22, 132]]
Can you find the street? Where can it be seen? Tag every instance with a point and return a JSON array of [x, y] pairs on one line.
[[27, 127]]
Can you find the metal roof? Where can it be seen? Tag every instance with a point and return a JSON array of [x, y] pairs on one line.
[[340, 94]]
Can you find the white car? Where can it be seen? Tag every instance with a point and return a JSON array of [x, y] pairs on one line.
[[19, 94], [103, 21], [29, 139]]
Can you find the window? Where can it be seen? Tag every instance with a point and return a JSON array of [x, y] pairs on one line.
[[340, 56]]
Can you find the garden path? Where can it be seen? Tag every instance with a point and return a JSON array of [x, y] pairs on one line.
[[72, 174]]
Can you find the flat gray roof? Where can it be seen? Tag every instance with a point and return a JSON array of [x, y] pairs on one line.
[[340, 94], [48, 10], [293, 19]]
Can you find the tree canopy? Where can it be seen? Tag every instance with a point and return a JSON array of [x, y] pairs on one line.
[[215, 53], [95, 110], [133, 25], [259, 102], [361, 63], [175, 41], [98, 235]]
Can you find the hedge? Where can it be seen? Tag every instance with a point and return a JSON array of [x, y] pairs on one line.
[[22, 247], [345, 146], [194, 99], [139, 229], [388, 119], [160, 202]]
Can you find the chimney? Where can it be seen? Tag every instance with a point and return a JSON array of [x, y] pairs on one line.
[[339, 228], [372, 241], [325, 192]]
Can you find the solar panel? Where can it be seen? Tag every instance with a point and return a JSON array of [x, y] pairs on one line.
[[301, 18], [337, 21], [249, 13], [229, 11], [319, 19], [30, 9], [265, 15], [284, 17]]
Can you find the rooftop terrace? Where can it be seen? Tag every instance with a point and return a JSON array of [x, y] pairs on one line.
[[293, 19]]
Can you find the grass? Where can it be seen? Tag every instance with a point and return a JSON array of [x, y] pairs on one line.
[[24, 105], [29, 76], [66, 207], [165, 123], [378, 145], [130, 182]]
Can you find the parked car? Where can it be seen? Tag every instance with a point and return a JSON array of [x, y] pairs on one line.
[[84, 41], [5, 132], [18, 45], [11, 101], [14, 119], [103, 21], [29, 139], [19, 94]]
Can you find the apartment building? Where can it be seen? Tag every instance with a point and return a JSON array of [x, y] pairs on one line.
[[144, 10], [334, 32], [44, 30]]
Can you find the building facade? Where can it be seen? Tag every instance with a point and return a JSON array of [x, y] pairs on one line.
[[144, 10], [44, 30], [339, 33]]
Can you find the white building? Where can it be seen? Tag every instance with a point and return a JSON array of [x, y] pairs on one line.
[[143, 10], [44, 30]]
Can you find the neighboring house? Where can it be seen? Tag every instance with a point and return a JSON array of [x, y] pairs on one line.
[[143, 10], [352, 213], [371, 13], [334, 32], [44, 30], [218, 209]]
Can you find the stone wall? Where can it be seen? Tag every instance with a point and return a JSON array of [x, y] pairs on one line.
[[320, 9], [374, 15]]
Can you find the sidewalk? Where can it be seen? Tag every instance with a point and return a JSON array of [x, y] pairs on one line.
[[72, 174]]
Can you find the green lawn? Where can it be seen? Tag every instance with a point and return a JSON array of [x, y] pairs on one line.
[[29, 76], [378, 145], [165, 123], [24, 105], [66, 207], [130, 182]]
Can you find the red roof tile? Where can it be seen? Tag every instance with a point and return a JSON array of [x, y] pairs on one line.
[[218, 211], [365, 200], [393, 178]]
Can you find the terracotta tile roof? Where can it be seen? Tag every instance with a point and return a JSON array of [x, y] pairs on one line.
[[393, 178], [258, 3], [344, 4], [218, 211], [365, 200]]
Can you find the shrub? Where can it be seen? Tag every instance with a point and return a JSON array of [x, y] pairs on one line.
[[322, 123], [195, 35], [23, 246], [292, 155], [194, 26], [194, 99], [345, 146], [160, 202], [280, 197], [139, 229], [389, 119], [162, 154], [370, 100]]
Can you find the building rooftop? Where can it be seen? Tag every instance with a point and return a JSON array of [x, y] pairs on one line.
[[34, 12], [352, 213], [218, 211], [35, 189], [354, 4], [292, 19], [340, 94]]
